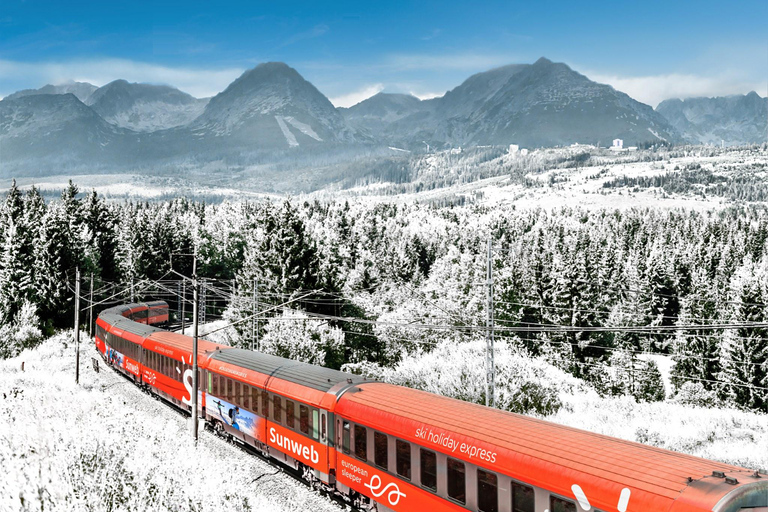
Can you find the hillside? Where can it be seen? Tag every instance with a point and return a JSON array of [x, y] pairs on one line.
[[105, 445]]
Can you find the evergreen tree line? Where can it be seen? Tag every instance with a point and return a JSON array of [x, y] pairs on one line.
[[745, 187], [372, 283]]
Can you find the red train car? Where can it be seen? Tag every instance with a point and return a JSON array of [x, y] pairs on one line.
[[391, 448]]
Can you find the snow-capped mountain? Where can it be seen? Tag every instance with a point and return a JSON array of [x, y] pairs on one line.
[[378, 112], [82, 90], [272, 106], [60, 128], [145, 107], [540, 104], [734, 120]]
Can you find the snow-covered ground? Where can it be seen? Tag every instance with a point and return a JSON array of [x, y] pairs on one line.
[[105, 445]]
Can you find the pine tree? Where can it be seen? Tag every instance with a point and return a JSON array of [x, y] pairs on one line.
[[15, 269], [696, 352], [744, 351], [55, 264]]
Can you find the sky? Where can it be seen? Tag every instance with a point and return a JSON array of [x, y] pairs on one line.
[[651, 50]]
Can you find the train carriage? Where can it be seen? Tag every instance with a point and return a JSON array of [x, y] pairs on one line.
[[283, 406], [423, 451], [167, 366], [391, 448]]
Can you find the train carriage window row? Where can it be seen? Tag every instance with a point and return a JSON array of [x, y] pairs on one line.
[[355, 440], [123, 346], [295, 416]]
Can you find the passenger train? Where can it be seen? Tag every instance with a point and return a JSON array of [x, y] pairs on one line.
[[391, 448]]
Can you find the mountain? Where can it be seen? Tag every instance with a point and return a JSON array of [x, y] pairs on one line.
[[145, 107], [60, 130], [540, 104], [734, 120], [271, 106], [378, 112], [82, 90], [547, 104], [271, 114]]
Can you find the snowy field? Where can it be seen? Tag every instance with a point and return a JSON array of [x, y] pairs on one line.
[[105, 445]]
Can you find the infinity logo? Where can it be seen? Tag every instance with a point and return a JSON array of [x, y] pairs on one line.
[[393, 496]]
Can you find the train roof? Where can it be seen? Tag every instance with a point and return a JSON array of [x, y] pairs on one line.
[[537, 451], [180, 344], [303, 374]]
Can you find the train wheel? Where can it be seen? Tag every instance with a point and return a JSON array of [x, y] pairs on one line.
[[218, 429]]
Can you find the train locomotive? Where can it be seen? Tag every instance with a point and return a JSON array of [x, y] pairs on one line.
[[390, 448]]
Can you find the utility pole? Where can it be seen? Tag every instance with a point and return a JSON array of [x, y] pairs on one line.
[[254, 322], [490, 369], [183, 303], [77, 326], [194, 348], [90, 310]]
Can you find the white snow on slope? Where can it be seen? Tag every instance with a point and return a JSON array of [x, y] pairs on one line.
[[657, 135], [304, 128], [105, 445], [290, 137]]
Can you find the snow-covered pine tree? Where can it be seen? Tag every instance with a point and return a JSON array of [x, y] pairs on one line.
[[55, 262], [15, 270], [696, 352], [744, 351]]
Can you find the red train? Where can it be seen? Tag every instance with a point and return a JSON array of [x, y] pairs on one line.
[[386, 447]]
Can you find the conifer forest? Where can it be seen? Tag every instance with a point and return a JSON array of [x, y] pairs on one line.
[[593, 298]]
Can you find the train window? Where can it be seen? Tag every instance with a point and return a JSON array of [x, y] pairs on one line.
[[487, 492], [315, 423], [361, 442], [428, 469], [264, 403], [215, 386], [380, 449], [210, 382], [522, 498], [560, 505], [248, 395], [289, 414], [277, 409], [237, 395], [457, 481], [304, 419], [403, 459], [323, 434], [345, 438]]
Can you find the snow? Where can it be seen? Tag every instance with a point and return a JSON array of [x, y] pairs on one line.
[[105, 445], [303, 128], [289, 137], [656, 134]]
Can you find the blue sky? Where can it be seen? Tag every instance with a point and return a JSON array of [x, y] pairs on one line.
[[651, 50]]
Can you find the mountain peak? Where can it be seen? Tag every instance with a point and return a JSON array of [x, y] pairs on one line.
[[543, 61]]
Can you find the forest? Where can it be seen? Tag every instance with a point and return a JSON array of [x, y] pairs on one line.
[[398, 291]]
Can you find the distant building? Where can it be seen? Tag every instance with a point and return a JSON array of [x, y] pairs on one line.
[[456, 151], [523, 151], [618, 145], [514, 148]]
